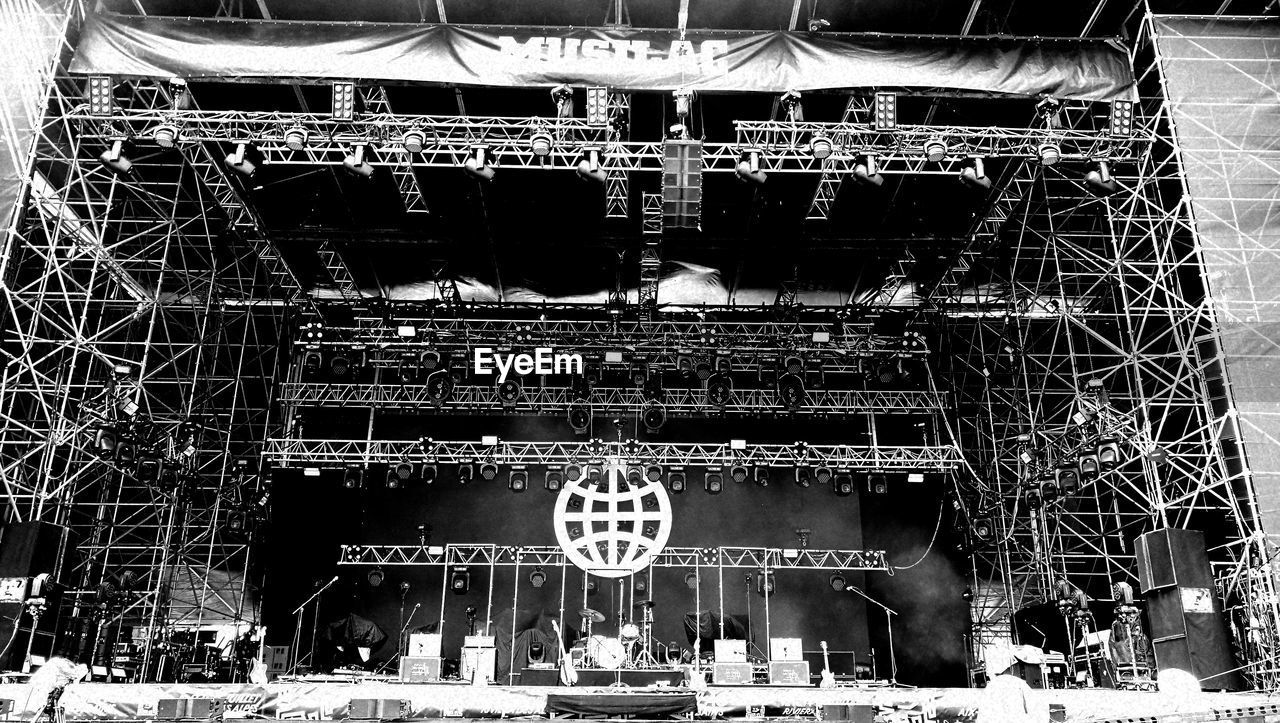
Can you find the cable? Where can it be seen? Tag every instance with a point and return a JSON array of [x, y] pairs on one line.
[[942, 506], [12, 635]]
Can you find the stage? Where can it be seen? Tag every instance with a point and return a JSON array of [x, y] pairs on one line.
[[427, 701]]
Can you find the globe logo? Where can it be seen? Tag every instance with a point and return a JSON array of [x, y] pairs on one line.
[[612, 527]]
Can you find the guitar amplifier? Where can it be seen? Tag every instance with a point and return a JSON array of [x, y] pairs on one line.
[[424, 645], [789, 672], [419, 669], [731, 674]]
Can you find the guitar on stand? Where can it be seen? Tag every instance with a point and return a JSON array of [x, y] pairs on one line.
[[828, 678], [568, 676]]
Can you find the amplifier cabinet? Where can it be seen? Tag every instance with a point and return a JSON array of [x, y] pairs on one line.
[[789, 672], [731, 674], [419, 669]]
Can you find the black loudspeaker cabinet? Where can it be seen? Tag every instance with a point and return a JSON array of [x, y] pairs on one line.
[[33, 548], [1188, 626], [682, 184]]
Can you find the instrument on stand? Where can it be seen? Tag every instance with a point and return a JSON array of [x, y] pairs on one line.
[[828, 677], [644, 657], [568, 675]]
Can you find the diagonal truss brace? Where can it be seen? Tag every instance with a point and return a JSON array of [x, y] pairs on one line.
[[856, 110], [375, 101]]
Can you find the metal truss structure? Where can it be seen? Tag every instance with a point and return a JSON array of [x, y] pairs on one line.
[[1068, 286], [146, 312], [753, 558], [358, 452]]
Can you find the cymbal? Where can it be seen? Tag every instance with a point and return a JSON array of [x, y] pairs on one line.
[[644, 604], [592, 615]]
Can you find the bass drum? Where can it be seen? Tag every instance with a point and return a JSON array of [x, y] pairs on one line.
[[606, 653]]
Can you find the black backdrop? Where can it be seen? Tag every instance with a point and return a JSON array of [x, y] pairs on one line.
[[313, 516]]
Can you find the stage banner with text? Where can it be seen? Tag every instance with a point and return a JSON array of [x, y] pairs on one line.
[[620, 58]]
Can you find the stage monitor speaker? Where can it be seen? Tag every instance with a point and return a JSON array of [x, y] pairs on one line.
[[1188, 626], [852, 713], [376, 709], [33, 548], [682, 184]]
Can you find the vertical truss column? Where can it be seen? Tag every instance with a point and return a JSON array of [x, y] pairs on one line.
[[857, 109], [616, 181], [375, 101]]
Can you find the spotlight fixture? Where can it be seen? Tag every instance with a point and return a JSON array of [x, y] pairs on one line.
[[477, 164], [867, 172], [517, 480], [238, 161], [676, 481], [376, 576], [719, 390], [1050, 153], [403, 471], [562, 96], [460, 581], [1089, 466], [488, 471], [935, 149], [886, 111], [703, 370], [738, 473], [842, 484], [553, 481], [579, 415], [344, 101], [983, 529], [353, 478], [1100, 181], [653, 472], [749, 168], [793, 364], [792, 106], [1048, 490], [413, 140], [838, 582], [115, 159], [691, 580], [573, 472], [589, 166], [101, 96], [466, 473], [538, 577], [509, 393], [355, 163], [762, 476], [541, 143], [597, 106], [791, 391], [714, 481], [765, 583], [165, 135], [1068, 479], [104, 442], [803, 477], [975, 175], [439, 387], [634, 475], [877, 484], [295, 138], [429, 360], [823, 475], [1108, 453], [817, 25], [1121, 125], [820, 146], [428, 473]]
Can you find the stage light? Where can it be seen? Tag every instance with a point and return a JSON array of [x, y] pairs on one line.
[[684, 101], [295, 138], [509, 392], [817, 25], [1031, 493], [466, 473], [634, 475], [640, 585], [413, 140], [675, 482], [353, 478], [868, 172], [703, 370], [126, 453], [823, 475], [713, 483], [738, 473], [842, 484], [653, 472], [404, 471], [803, 477], [538, 577], [165, 135], [393, 481], [793, 364], [589, 167], [104, 442], [719, 390], [975, 175], [886, 112], [339, 365], [553, 481], [562, 96], [460, 581], [877, 484], [1099, 180], [101, 95], [148, 469], [791, 391], [115, 159], [518, 480], [935, 149], [639, 372], [597, 106], [1048, 490], [238, 161], [820, 146], [541, 143], [838, 582], [791, 102], [1068, 479], [573, 472], [765, 583], [488, 471], [355, 163], [983, 529], [748, 168], [579, 415], [439, 387], [344, 101], [691, 580], [1050, 153], [376, 576], [1121, 125], [1089, 466], [477, 164], [428, 473]]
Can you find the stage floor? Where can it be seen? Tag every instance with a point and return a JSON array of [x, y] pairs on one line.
[[427, 701]]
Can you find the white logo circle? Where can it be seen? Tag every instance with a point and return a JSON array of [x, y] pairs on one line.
[[611, 527]]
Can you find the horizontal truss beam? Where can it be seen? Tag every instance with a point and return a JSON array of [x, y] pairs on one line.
[[755, 558]]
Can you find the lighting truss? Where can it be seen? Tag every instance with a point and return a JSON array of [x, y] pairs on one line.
[[288, 452], [544, 400], [753, 558]]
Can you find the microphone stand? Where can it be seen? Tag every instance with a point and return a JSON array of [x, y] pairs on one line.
[[297, 629], [889, 613], [403, 627]]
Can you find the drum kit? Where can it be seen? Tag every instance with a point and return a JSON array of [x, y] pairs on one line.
[[631, 649]]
